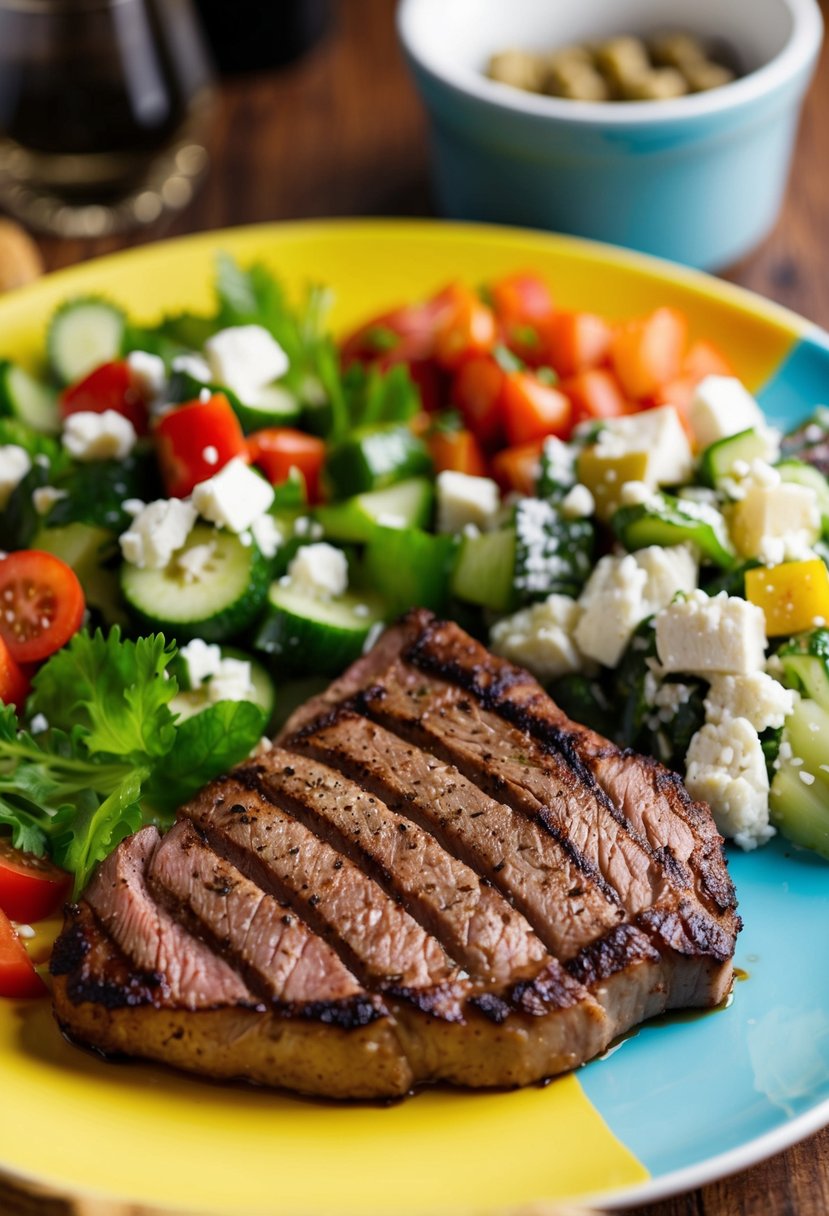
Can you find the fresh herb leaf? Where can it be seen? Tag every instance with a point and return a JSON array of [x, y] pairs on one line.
[[96, 491], [206, 744], [84, 834]]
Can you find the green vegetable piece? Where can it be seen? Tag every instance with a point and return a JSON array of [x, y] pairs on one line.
[[665, 520], [408, 504], [805, 660], [584, 701], [95, 492], [809, 442], [800, 806], [553, 554], [718, 459], [83, 334], [374, 459], [410, 568], [485, 570], [29, 400], [310, 636]]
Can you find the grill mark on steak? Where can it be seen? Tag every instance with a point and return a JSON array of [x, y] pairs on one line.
[[516, 855], [473, 922], [187, 970], [278, 955], [376, 939]]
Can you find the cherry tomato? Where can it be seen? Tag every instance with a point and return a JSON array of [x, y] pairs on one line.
[[468, 327], [41, 604], [533, 409], [18, 978], [457, 451], [109, 387], [14, 681], [30, 887], [277, 450], [478, 392], [517, 468], [195, 440]]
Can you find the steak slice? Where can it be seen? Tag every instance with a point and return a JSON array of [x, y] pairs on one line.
[[434, 875]]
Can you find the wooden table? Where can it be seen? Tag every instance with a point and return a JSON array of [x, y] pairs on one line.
[[343, 133]]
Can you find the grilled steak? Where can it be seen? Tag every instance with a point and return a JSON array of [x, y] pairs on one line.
[[433, 875]]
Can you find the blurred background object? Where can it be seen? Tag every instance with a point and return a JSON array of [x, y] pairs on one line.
[[20, 260], [104, 112], [251, 35]]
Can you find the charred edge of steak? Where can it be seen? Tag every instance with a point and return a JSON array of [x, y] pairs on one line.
[[689, 932], [618, 949], [109, 981], [439, 1001]]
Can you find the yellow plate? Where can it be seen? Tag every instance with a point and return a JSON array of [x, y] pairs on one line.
[[79, 1126]]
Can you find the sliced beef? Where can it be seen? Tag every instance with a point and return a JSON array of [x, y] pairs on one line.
[[434, 875]]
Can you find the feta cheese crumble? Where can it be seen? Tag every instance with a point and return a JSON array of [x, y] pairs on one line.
[[245, 358], [106, 436], [320, 571], [45, 497], [659, 434], [723, 406], [463, 499], [15, 463], [149, 375], [219, 679], [540, 638], [578, 503], [234, 497], [704, 635], [757, 697], [157, 532], [726, 768]]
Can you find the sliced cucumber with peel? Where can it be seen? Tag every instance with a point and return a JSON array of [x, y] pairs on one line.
[[307, 635], [410, 568], [83, 334], [273, 405], [29, 400], [220, 604], [485, 570], [718, 459], [87, 549], [405, 505]]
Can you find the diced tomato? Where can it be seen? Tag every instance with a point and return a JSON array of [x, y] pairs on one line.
[[517, 468], [195, 440], [458, 452], [109, 387], [522, 298], [14, 681], [595, 393], [468, 327], [277, 450], [705, 359], [18, 978], [646, 353], [30, 887], [478, 392], [575, 341], [41, 604], [533, 409]]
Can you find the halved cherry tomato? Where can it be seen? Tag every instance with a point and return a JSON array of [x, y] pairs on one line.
[[41, 604], [467, 328], [18, 978], [14, 681], [195, 440], [517, 468], [646, 353], [277, 450], [456, 451], [595, 393], [30, 887], [575, 341], [521, 298], [109, 387], [533, 409], [478, 392]]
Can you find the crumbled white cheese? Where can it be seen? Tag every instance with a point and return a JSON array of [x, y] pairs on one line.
[[668, 698], [38, 724], [106, 436], [622, 591], [635, 493], [660, 435], [202, 659], [149, 375], [15, 463], [267, 534], [234, 497], [194, 366], [194, 562], [726, 768], [320, 571], [463, 499], [560, 460], [540, 637], [45, 497], [722, 406], [232, 682], [702, 635], [157, 532], [217, 678], [776, 522], [578, 503], [757, 697], [245, 358]]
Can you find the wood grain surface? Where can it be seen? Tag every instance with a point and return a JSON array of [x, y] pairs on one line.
[[343, 133]]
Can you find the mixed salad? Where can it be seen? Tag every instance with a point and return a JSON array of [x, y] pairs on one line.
[[205, 520]]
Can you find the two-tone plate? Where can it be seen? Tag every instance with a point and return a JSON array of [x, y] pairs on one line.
[[675, 1104]]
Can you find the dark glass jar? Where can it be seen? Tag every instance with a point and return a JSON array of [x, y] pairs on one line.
[[253, 35]]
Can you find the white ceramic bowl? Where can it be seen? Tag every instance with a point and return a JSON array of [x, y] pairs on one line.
[[698, 179]]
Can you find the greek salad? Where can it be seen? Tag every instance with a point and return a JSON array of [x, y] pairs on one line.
[[205, 520]]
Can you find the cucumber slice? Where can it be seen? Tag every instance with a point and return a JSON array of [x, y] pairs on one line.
[[274, 405], [718, 460], [410, 568], [485, 570], [83, 334], [190, 701], [28, 400], [405, 505], [316, 637], [807, 475], [665, 520], [374, 459], [86, 549], [224, 601]]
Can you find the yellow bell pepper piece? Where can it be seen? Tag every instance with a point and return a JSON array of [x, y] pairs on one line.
[[604, 476], [794, 596]]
